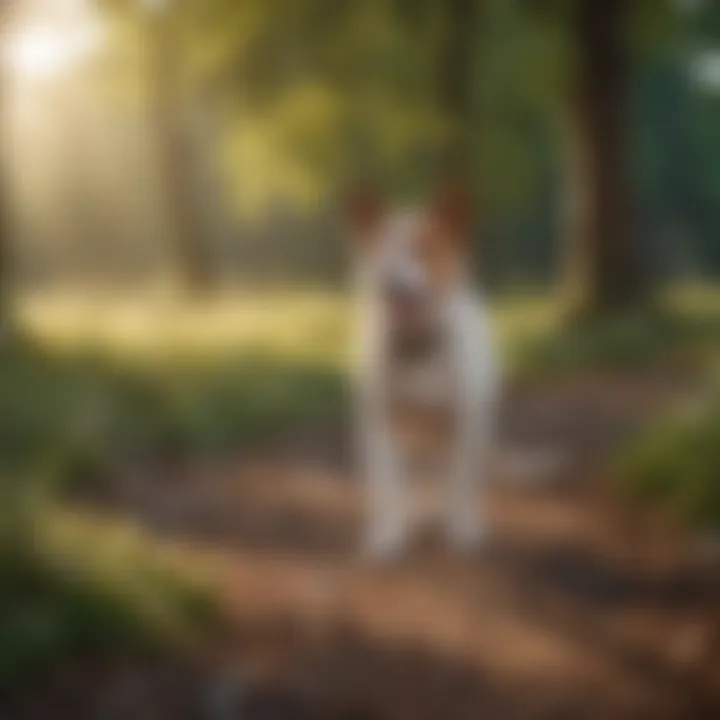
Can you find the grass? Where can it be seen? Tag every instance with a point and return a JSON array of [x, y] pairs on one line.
[[111, 381], [311, 327], [290, 325], [683, 327], [114, 380], [73, 415]]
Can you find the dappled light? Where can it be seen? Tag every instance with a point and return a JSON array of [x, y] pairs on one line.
[[201, 204]]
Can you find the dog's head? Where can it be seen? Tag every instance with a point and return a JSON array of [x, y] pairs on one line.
[[412, 258]]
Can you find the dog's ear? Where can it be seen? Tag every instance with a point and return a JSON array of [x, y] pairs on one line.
[[451, 212], [364, 210]]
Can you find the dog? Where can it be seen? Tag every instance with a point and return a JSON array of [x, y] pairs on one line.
[[425, 367]]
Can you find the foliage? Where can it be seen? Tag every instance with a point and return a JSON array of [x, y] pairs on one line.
[[121, 379], [71, 586], [90, 413], [282, 103], [675, 466], [629, 341], [73, 414]]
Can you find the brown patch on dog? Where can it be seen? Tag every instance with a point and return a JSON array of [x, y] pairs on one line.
[[365, 210], [444, 245]]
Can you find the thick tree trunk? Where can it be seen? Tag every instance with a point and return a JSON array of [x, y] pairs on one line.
[[457, 95], [175, 150], [604, 273]]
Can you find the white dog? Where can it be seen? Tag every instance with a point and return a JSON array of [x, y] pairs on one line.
[[426, 367]]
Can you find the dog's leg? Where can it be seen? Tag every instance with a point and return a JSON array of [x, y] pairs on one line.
[[478, 390], [465, 523], [469, 470], [378, 460], [386, 531]]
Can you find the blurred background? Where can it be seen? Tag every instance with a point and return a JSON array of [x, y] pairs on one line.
[[178, 515]]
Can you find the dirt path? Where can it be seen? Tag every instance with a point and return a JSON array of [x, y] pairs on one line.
[[570, 612]]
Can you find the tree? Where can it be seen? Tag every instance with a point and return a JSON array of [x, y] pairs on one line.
[[175, 150], [456, 83], [5, 315], [604, 271], [458, 98]]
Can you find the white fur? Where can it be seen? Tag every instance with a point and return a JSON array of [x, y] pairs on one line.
[[464, 375]]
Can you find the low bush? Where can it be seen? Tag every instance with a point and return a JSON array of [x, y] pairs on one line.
[[675, 466], [72, 586]]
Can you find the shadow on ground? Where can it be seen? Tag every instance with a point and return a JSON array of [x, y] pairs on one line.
[[568, 613]]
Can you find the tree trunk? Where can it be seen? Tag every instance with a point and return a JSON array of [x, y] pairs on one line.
[[456, 84], [175, 150], [457, 95], [6, 324], [6, 321], [604, 273]]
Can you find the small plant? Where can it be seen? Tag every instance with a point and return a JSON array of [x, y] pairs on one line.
[[676, 466], [70, 585], [626, 342]]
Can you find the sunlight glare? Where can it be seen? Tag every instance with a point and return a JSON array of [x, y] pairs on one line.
[[38, 52], [47, 49]]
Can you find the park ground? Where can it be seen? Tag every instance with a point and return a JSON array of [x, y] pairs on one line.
[[579, 607]]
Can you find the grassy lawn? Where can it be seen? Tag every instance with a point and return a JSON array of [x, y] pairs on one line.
[[289, 325], [311, 326]]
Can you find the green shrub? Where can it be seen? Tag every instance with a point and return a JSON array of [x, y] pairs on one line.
[[71, 586], [676, 466], [71, 419], [629, 341]]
